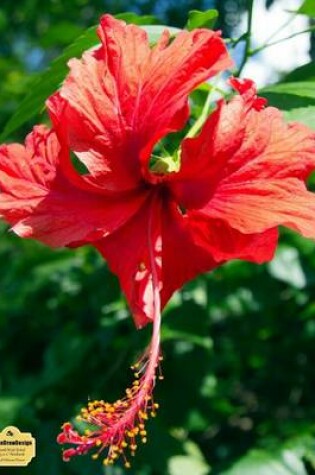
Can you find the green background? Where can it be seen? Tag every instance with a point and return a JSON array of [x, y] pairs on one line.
[[238, 344]]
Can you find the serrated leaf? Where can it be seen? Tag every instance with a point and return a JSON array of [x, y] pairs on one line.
[[198, 19], [50, 80], [260, 462]]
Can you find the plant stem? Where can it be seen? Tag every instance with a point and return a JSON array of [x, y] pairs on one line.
[[247, 52], [284, 25], [273, 43], [201, 119]]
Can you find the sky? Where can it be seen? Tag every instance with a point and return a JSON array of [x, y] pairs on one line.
[[268, 65]]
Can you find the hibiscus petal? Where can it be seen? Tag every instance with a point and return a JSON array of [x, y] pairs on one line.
[[241, 141], [225, 243], [258, 205], [161, 230], [134, 253], [183, 257], [247, 168], [39, 201], [124, 96]]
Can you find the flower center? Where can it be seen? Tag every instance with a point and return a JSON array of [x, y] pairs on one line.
[[165, 164]]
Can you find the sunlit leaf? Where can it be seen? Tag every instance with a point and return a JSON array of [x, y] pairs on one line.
[[259, 462], [307, 8], [296, 99], [206, 19]]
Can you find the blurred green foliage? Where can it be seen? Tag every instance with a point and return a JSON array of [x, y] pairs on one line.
[[239, 344]]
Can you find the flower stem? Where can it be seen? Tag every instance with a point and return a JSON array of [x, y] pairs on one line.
[[247, 52], [273, 43], [202, 118]]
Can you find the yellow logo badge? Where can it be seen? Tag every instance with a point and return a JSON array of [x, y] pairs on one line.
[[16, 448]]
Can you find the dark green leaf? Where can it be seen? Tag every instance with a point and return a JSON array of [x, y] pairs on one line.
[[303, 73], [47, 82], [197, 19], [131, 17], [62, 33]]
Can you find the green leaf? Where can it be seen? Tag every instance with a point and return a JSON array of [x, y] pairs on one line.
[[50, 80], [192, 463], [131, 17], [306, 115], [259, 462], [307, 8], [197, 19], [296, 99], [305, 89], [202, 341], [185, 465], [302, 73], [9, 407], [62, 33], [47, 82]]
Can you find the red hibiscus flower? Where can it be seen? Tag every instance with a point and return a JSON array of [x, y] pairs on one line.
[[233, 185]]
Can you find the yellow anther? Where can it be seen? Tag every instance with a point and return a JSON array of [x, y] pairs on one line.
[[95, 456], [124, 444], [156, 405], [144, 440], [161, 377], [127, 465], [98, 442], [106, 461], [153, 414], [141, 426], [133, 447], [143, 432]]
